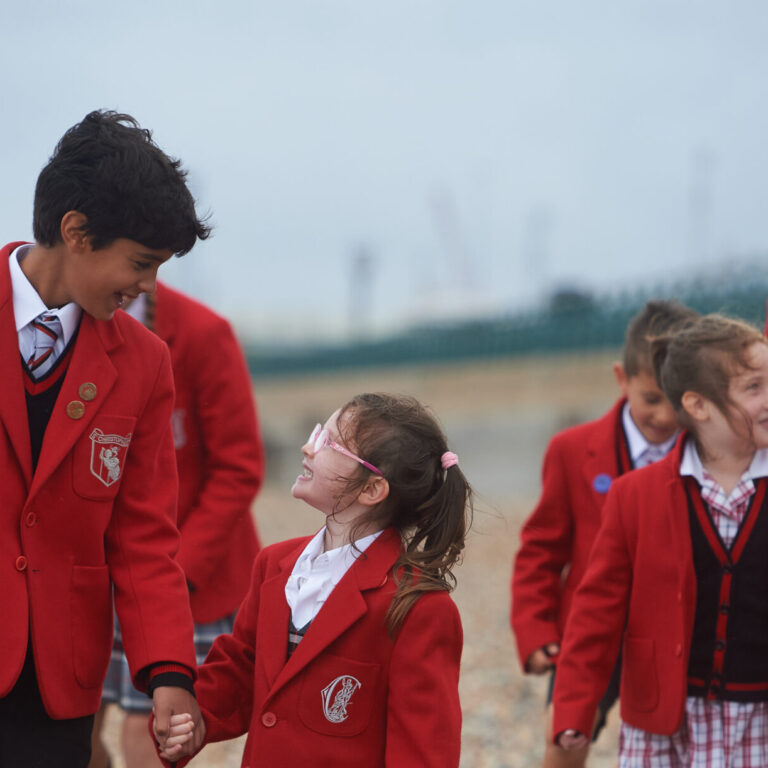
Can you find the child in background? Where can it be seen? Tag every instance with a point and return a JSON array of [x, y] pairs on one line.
[[220, 461], [679, 570], [346, 650], [579, 467], [86, 453]]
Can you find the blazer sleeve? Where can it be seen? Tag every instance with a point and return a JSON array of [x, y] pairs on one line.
[[234, 455], [224, 686], [546, 544], [596, 621], [141, 540], [423, 709]]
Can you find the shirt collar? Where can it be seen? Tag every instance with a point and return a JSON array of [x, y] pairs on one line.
[[336, 560], [691, 464], [636, 441], [27, 304]]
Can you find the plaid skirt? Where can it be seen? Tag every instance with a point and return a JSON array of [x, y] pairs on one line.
[[725, 734], [118, 687]]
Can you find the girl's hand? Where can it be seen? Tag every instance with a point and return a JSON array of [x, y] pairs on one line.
[[571, 739], [181, 731], [542, 659]]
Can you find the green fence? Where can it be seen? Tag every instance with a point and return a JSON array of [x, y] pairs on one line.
[[571, 321]]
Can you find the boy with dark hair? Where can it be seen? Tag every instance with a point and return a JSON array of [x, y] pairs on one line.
[[579, 466], [86, 453]]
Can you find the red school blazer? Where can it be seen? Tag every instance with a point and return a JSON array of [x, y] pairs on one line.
[[579, 466], [349, 696], [639, 591], [219, 453], [76, 528]]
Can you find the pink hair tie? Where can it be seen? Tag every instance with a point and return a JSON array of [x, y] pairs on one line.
[[449, 459]]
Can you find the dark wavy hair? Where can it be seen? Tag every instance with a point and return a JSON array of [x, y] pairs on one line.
[[430, 506], [109, 169]]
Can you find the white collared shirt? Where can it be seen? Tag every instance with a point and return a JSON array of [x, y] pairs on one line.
[[317, 572], [641, 452], [27, 305]]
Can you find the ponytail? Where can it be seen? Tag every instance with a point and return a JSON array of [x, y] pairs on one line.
[[429, 501]]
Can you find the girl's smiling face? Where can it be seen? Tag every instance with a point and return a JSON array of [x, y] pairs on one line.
[[746, 423], [326, 472]]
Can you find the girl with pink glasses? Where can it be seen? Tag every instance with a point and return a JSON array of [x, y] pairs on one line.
[[346, 650]]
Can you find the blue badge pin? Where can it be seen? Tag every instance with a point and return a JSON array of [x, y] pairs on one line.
[[602, 482]]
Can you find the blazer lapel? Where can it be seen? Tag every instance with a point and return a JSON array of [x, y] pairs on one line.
[[676, 505], [600, 467], [13, 407], [90, 363], [344, 606], [272, 632]]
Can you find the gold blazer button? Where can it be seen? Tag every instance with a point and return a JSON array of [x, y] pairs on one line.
[[75, 409], [88, 391]]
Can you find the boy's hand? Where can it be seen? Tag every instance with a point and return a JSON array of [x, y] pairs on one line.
[[542, 659], [181, 731], [571, 739], [168, 700]]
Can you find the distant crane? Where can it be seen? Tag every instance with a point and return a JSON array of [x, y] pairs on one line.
[[361, 291]]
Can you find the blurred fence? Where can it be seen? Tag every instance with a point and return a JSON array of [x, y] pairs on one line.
[[571, 321]]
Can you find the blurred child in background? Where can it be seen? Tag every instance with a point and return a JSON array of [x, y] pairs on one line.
[[346, 650], [580, 465], [220, 463], [679, 570]]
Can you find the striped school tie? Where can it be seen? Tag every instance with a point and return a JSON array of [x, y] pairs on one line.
[[47, 331]]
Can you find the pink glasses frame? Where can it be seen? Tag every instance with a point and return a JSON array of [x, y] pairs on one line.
[[320, 438]]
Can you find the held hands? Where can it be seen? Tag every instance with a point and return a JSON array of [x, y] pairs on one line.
[[180, 733], [543, 659], [178, 724]]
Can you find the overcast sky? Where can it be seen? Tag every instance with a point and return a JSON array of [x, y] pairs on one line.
[[477, 152]]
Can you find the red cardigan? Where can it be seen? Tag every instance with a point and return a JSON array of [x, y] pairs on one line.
[[69, 534], [579, 465], [403, 710], [219, 452], [639, 592]]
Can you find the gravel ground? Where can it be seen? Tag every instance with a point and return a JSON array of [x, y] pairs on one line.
[[498, 418]]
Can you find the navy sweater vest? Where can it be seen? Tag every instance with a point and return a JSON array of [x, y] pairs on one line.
[[729, 646]]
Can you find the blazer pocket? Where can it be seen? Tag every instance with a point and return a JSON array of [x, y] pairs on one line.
[[639, 676], [99, 457], [91, 623], [337, 695]]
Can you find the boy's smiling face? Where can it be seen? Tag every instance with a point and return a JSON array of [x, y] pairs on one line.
[[101, 281], [649, 408]]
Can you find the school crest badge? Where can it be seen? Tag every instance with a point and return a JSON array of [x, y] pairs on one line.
[[108, 455], [336, 697]]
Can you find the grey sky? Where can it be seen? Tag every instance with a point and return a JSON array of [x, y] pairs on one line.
[[480, 151]]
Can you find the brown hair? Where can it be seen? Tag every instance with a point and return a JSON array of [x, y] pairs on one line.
[[702, 357], [656, 318], [430, 506]]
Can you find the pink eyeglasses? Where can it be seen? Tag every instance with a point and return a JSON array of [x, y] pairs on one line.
[[320, 438]]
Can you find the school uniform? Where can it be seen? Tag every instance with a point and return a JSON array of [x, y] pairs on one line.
[[682, 593], [579, 466], [95, 513], [220, 463], [348, 695], [219, 453]]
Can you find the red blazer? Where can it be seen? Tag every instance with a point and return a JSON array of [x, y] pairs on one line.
[[403, 706], [579, 465], [71, 532], [640, 591], [219, 453]]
